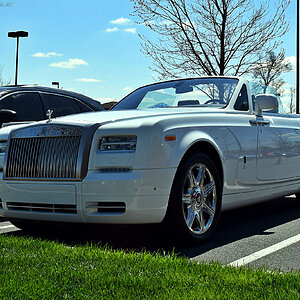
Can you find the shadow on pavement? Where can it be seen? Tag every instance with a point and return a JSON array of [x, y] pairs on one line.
[[234, 225]]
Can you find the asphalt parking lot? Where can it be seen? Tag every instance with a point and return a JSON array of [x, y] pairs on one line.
[[263, 235]]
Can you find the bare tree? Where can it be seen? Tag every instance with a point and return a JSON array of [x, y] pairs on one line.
[[277, 85], [209, 37], [292, 102], [269, 69], [3, 81]]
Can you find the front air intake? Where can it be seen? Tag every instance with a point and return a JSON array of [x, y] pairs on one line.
[[106, 208], [42, 207]]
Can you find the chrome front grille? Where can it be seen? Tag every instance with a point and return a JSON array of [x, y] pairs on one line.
[[43, 157], [46, 152]]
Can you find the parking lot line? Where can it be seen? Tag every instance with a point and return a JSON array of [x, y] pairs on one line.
[[264, 252]]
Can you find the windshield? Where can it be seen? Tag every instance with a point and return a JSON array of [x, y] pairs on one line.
[[200, 92]]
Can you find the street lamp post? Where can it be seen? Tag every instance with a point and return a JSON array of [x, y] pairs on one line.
[[55, 83], [17, 35]]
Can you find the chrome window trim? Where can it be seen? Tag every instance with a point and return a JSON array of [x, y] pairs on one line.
[[19, 92]]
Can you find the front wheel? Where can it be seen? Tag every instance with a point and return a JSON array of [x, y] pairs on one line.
[[195, 200]]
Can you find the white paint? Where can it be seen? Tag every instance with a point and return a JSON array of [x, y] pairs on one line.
[[8, 226], [264, 252]]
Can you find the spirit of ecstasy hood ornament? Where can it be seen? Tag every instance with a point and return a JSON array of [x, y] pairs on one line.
[[48, 114]]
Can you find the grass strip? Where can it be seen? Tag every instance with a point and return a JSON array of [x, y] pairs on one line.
[[37, 269]]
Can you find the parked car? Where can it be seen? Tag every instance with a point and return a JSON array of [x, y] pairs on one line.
[[24, 103], [177, 152]]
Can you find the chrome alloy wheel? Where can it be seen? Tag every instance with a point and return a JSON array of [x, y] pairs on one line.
[[199, 198]]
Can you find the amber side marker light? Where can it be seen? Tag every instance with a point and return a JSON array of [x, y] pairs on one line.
[[170, 138]]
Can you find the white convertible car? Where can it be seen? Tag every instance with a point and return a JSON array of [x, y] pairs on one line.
[[176, 152]]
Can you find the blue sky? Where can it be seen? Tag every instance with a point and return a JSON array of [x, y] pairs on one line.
[[90, 46]]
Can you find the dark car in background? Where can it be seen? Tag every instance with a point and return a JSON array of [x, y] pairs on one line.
[[25, 103]]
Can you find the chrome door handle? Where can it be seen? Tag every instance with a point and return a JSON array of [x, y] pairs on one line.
[[259, 123]]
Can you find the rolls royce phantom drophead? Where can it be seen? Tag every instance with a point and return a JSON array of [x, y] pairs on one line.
[[177, 152]]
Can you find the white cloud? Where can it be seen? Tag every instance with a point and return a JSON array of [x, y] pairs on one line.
[[72, 63], [127, 88], [131, 30], [287, 86], [46, 55], [120, 21], [114, 29], [88, 80], [292, 60]]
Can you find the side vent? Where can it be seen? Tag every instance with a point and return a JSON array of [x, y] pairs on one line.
[[1, 206], [106, 208]]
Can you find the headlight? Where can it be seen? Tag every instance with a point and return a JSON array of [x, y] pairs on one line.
[[2, 147], [126, 143]]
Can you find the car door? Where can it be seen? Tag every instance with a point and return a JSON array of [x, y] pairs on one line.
[[278, 147], [245, 135]]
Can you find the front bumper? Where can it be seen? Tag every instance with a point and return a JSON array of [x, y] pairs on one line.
[[133, 197]]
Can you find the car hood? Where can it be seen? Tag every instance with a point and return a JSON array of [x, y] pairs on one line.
[[105, 117]]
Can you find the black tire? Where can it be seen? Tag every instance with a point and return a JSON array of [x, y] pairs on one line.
[[195, 201]]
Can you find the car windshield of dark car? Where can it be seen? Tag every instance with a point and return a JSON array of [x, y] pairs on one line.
[[200, 92]]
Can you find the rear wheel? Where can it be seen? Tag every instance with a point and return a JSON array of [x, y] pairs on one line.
[[195, 200]]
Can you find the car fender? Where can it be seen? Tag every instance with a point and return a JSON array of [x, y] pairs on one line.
[[220, 140]]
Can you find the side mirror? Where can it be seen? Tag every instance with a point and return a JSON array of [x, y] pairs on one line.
[[265, 102], [7, 115]]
